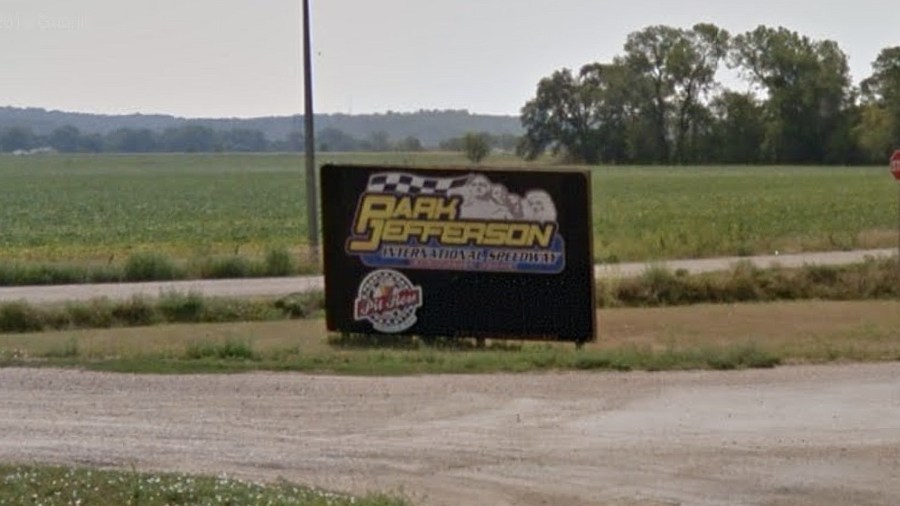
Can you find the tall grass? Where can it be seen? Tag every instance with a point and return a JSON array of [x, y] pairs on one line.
[[22, 273], [153, 266], [138, 311], [872, 279]]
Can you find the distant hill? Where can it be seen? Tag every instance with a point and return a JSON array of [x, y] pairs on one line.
[[430, 127]]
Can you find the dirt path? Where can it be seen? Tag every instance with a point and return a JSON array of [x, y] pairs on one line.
[[283, 286], [794, 435]]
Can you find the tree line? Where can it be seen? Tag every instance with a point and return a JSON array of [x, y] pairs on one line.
[[659, 102], [202, 139], [188, 139]]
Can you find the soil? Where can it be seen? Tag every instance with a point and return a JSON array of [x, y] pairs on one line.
[[804, 435]]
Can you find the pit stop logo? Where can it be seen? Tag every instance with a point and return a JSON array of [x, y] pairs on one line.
[[389, 300]]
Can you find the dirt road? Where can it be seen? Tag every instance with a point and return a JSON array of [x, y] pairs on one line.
[[283, 286], [811, 435]]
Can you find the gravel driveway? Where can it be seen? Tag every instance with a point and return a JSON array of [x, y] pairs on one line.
[[808, 435]]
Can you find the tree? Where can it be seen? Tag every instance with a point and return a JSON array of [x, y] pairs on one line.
[[738, 128], [15, 138], [879, 129], [92, 143], [574, 114], [647, 105], [475, 146], [332, 139], [295, 140], [674, 69], [129, 140], [451, 144], [614, 108], [505, 142], [808, 87], [378, 141], [66, 139], [874, 134], [409, 143], [191, 139], [244, 140]]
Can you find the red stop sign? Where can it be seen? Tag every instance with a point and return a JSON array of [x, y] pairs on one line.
[[895, 164]]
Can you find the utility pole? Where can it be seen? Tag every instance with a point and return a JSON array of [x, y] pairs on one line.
[[312, 208]]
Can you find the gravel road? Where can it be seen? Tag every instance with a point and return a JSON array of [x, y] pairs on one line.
[[808, 435], [282, 286]]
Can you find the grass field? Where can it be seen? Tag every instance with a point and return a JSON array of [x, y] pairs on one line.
[[723, 336], [103, 208]]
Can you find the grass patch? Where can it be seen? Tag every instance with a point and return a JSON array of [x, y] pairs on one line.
[[280, 262], [136, 311], [181, 307], [172, 307], [226, 267], [658, 286], [229, 350], [153, 266], [61, 486], [67, 350], [734, 336], [302, 304], [240, 356], [21, 317], [41, 273]]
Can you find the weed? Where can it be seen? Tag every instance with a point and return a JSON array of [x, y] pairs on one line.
[[179, 307], [136, 311], [151, 267], [301, 304], [740, 357], [231, 266], [94, 314], [228, 350], [20, 317], [279, 262]]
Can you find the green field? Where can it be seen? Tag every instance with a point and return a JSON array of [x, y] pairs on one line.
[[103, 208]]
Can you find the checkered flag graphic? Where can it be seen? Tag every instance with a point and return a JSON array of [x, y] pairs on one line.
[[398, 182]]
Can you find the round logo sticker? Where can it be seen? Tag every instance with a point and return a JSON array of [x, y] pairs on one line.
[[389, 300]]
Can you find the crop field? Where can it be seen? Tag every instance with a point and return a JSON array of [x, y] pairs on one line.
[[102, 208]]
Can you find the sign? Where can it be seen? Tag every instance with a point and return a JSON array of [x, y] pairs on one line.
[[458, 253], [895, 164]]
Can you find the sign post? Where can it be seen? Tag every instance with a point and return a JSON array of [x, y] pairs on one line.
[[895, 170], [312, 207]]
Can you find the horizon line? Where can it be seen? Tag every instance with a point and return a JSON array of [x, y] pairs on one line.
[[189, 118]]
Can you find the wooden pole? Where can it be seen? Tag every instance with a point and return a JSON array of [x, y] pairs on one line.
[[312, 208]]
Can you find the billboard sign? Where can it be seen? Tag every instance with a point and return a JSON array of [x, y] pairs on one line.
[[458, 252]]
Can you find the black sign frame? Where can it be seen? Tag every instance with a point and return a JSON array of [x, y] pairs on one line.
[[425, 252]]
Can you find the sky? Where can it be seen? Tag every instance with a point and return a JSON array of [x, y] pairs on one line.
[[242, 58]]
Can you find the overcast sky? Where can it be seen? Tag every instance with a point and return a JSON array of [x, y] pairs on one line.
[[217, 58]]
